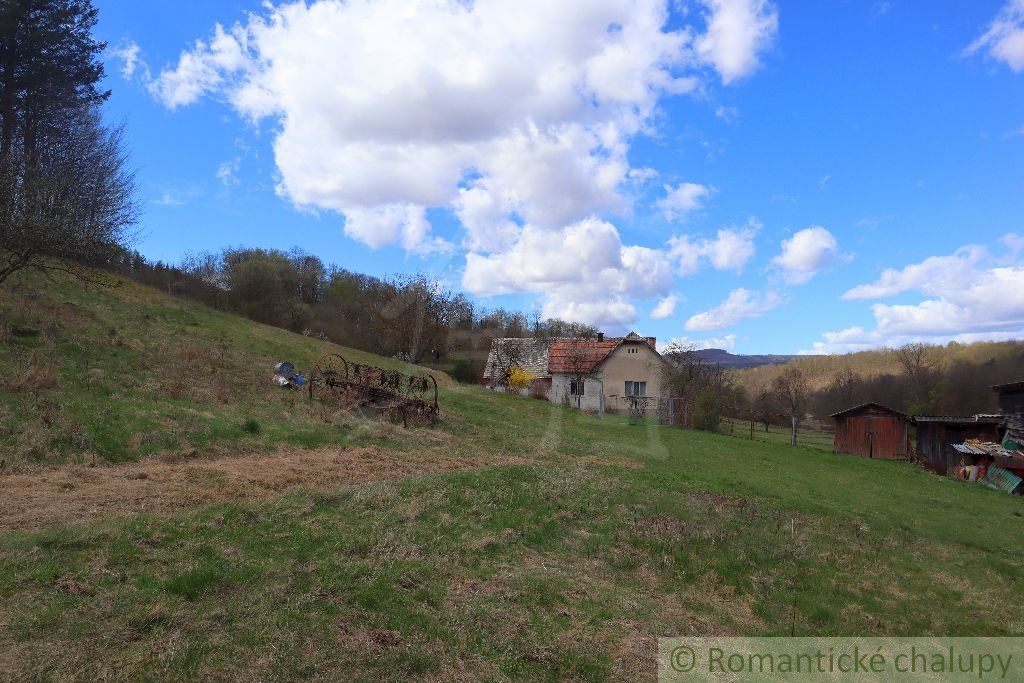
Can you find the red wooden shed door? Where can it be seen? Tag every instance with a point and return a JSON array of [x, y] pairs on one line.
[[875, 437], [858, 434], [885, 439]]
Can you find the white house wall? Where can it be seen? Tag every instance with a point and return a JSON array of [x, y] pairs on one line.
[[619, 367]]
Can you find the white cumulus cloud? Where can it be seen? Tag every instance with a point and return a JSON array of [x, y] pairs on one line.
[[1013, 242], [741, 304], [515, 117], [730, 249], [406, 225], [738, 30], [683, 199], [666, 308], [966, 296], [726, 342], [933, 274], [130, 54], [584, 272], [204, 69], [805, 253], [1004, 38]]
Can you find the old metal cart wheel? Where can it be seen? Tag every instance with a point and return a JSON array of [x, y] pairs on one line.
[[328, 375]]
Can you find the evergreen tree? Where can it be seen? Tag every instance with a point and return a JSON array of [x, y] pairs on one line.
[[65, 190]]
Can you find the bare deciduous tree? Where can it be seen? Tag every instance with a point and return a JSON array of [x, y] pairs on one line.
[[506, 357], [577, 359], [923, 364], [71, 200], [66, 194], [762, 408], [706, 389], [791, 389]]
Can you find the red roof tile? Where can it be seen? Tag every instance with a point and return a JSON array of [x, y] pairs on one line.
[[579, 356]]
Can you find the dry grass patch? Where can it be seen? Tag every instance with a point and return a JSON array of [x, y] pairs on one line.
[[77, 494], [35, 376]]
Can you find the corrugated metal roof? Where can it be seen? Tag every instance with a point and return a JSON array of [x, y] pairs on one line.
[[969, 449], [988, 448], [1001, 479], [959, 419]]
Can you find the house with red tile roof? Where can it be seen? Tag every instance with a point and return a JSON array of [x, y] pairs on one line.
[[590, 374], [603, 374]]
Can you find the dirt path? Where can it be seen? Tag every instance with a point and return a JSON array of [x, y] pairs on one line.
[[75, 494]]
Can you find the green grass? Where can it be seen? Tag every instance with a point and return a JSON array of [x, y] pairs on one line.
[[123, 373], [565, 564], [806, 436]]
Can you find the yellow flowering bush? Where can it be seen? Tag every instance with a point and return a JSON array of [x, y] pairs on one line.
[[520, 379]]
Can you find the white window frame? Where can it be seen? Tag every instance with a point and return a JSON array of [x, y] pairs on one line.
[[636, 388]]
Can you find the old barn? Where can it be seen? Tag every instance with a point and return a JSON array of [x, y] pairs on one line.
[[873, 431], [1011, 398], [936, 435]]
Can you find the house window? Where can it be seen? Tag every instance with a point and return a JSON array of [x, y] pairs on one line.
[[636, 388], [576, 387]]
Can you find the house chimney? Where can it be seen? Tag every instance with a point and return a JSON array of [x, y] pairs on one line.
[[600, 336], [653, 341]]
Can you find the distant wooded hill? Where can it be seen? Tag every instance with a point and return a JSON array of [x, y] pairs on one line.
[[732, 361], [954, 379]]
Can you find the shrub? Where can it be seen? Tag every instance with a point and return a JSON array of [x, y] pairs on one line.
[[251, 425], [520, 379], [462, 370]]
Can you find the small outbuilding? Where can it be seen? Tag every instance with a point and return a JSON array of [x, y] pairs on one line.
[[1011, 398], [936, 435], [872, 431]]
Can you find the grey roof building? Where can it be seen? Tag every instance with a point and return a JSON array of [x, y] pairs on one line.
[[527, 353]]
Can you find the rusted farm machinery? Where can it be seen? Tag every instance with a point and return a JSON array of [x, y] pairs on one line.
[[392, 393]]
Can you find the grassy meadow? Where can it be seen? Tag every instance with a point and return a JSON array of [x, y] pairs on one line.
[[557, 545], [110, 375], [806, 435]]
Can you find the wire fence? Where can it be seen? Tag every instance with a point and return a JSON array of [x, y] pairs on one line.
[[677, 412], [805, 435]]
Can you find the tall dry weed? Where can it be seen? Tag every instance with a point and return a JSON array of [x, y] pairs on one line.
[[38, 374]]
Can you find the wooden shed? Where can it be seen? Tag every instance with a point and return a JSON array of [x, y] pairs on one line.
[[873, 431], [936, 435], [1011, 398]]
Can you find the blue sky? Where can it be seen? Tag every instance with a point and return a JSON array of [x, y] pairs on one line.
[[764, 176]]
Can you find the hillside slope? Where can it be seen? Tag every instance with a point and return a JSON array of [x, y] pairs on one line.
[[114, 374], [515, 539]]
